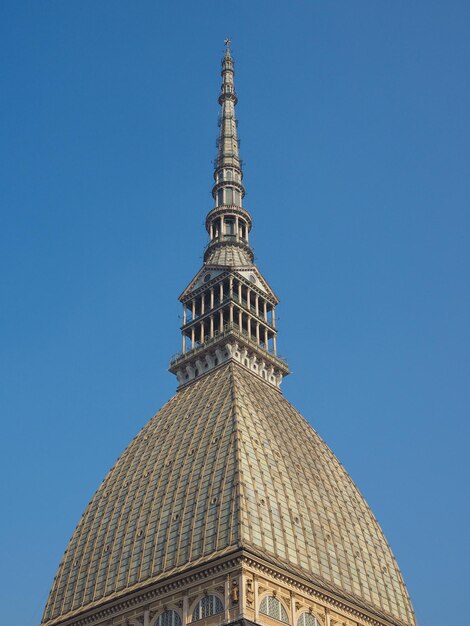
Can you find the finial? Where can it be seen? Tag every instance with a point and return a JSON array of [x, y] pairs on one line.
[[227, 43]]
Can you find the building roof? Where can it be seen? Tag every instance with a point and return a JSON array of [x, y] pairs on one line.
[[228, 463]]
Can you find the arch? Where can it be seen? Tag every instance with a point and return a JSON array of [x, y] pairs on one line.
[[207, 606], [170, 617], [273, 607], [307, 619]]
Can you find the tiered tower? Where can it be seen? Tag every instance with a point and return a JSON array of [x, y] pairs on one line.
[[227, 508], [228, 308]]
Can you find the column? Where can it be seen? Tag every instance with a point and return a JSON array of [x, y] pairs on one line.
[[183, 347], [237, 228], [274, 345], [241, 594], [257, 333], [257, 305], [203, 303], [266, 339], [202, 333], [211, 231], [240, 320], [193, 338], [193, 309], [221, 292], [227, 599], [212, 297], [184, 314], [146, 617], [240, 293], [256, 598], [212, 325], [292, 609], [185, 610], [265, 310], [231, 313], [221, 321], [231, 287], [248, 299], [248, 321], [273, 316]]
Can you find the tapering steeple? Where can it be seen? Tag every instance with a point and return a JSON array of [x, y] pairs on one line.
[[228, 224], [228, 308], [228, 145]]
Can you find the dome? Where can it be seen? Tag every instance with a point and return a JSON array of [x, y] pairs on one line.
[[228, 465]]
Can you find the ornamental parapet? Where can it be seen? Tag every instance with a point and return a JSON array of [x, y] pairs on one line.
[[223, 209], [228, 344]]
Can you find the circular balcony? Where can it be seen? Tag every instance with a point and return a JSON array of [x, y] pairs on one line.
[[228, 209]]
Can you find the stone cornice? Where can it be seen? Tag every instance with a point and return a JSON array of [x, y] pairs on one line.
[[147, 592], [142, 597], [332, 599]]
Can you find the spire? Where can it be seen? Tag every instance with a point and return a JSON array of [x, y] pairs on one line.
[[228, 308], [229, 223], [227, 143]]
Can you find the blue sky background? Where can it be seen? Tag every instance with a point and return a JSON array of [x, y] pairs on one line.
[[355, 136]]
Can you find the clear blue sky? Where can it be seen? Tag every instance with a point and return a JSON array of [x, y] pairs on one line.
[[355, 135]]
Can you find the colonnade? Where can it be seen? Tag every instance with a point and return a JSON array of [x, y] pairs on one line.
[[231, 289], [234, 226], [233, 303]]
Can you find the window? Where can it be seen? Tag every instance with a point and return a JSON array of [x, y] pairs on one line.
[[207, 606], [307, 619], [230, 227], [168, 618], [220, 197], [228, 195], [272, 607]]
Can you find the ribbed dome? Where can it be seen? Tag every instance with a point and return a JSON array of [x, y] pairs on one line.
[[228, 463], [229, 256]]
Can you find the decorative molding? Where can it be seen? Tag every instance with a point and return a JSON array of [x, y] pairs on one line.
[[240, 559], [151, 591], [228, 346], [331, 599]]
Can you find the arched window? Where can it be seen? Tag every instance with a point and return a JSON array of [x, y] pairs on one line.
[[168, 618], [207, 606], [307, 619], [272, 607]]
